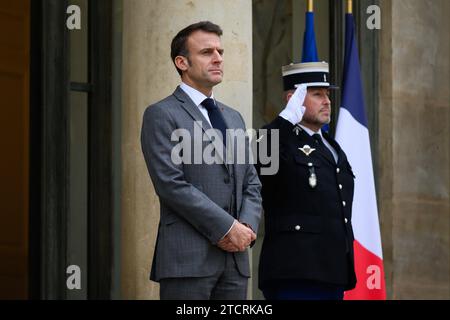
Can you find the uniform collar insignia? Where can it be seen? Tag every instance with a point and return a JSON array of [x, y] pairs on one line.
[[307, 149], [297, 129]]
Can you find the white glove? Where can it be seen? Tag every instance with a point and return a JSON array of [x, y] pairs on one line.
[[294, 109]]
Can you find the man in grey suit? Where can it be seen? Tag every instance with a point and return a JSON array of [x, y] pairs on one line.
[[209, 212]]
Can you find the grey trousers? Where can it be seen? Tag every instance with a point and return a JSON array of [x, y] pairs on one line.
[[226, 284]]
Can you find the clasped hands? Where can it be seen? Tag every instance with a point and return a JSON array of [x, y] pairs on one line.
[[238, 239]]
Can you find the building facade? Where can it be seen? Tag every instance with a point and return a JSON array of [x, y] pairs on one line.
[[75, 188]]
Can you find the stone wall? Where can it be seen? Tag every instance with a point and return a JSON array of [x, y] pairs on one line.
[[414, 150]]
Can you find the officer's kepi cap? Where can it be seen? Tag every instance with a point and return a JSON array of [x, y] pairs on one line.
[[313, 74]]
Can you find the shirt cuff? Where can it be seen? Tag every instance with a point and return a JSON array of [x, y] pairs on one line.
[[229, 229]]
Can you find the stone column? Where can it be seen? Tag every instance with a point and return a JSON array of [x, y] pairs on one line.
[[415, 147], [148, 76]]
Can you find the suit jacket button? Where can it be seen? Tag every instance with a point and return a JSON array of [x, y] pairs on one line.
[[297, 227], [225, 208], [226, 180], [340, 186], [345, 219]]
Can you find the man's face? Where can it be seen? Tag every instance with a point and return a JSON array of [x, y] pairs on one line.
[[318, 108], [203, 68]]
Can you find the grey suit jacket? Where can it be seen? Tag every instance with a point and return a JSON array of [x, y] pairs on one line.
[[195, 210]]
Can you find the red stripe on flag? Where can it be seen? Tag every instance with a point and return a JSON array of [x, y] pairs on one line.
[[370, 275]]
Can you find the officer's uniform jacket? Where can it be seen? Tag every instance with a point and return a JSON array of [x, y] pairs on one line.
[[308, 231]]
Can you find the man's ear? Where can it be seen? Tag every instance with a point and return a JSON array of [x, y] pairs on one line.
[[289, 95], [181, 63]]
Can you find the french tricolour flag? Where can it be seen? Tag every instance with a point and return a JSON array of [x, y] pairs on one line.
[[353, 136]]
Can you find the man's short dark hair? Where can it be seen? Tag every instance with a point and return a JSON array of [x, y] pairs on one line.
[[179, 47]]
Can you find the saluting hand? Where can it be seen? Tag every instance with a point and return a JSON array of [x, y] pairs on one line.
[[294, 110]]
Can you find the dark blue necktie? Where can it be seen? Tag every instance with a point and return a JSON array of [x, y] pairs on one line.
[[215, 117], [318, 138]]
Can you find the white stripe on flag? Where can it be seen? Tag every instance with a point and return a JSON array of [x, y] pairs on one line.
[[354, 140]]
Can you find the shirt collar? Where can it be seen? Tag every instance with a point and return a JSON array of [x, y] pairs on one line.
[[309, 131], [196, 96]]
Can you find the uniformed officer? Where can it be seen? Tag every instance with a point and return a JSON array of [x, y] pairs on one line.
[[307, 251]]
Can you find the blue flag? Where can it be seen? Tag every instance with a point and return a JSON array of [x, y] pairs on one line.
[[352, 92], [309, 53]]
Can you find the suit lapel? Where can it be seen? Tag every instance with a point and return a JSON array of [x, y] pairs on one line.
[[342, 158], [341, 155], [228, 121], [188, 105]]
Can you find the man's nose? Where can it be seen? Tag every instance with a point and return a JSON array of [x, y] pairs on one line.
[[217, 56]]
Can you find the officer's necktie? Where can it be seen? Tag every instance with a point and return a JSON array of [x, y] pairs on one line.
[[318, 138], [215, 117]]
